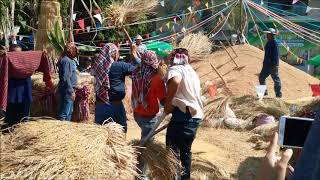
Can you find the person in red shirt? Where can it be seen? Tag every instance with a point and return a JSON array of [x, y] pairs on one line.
[[148, 90]]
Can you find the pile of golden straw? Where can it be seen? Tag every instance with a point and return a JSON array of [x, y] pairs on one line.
[[129, 11], [198, 45], [51, 149]]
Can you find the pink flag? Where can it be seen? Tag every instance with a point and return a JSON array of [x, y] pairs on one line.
[[175, 20], [294, 1], [81, 24]]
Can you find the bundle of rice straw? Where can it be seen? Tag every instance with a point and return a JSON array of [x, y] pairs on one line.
[[161, 162], [129, 11], [50, 149], [198, 45]]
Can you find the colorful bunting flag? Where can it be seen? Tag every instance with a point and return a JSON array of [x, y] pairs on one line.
[[162, 3], [261, 3], [308, 9], [81, 24], [200, 13], [98, 25], [190, 8], [183, 30], [173, 29], [88, 28], [98, 16], [74, 16], [20, 38], [160, 29], [194, 20], [197, 3], [168, 24], [207, 4], [175, 20]]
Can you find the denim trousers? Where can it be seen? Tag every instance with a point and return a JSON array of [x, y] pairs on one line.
[[108, 112], [274, 72], [66, 107], [181, 133], [146, 124]]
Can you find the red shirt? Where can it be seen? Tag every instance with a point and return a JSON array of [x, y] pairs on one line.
[[156, 94]]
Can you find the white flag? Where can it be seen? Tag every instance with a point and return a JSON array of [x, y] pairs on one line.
[[162, 3], [74, 16], [98, 16], [190, 9], [308, 9], [88, 28], [261, 3], [20, 38]]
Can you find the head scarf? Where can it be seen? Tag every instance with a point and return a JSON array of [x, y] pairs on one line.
[[101, 66], [141, 78], [179, 56]]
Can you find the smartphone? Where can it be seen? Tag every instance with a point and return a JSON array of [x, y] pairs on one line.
[[293, 131]]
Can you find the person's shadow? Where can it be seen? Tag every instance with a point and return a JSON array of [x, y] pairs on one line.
[[248, 169]]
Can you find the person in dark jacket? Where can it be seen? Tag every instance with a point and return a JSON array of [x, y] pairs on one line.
[[271, 63], [67, 81]]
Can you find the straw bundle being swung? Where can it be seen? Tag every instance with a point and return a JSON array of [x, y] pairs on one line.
[[198, 45], [161, 162], [49, 149], [129, 11]]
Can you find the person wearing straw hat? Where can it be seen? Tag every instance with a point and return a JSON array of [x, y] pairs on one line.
[[110, 86], [138, 49], [271, 63], [184, 102], [148, 89]]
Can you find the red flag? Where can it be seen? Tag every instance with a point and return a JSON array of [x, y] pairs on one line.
[[197, 3], [81, 24]]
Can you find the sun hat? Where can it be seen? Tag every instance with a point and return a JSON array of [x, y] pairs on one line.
[[271, 31]]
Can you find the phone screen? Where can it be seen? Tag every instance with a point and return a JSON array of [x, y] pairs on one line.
[[296, 132]]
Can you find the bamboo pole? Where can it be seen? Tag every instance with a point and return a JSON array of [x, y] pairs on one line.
[[221, 77], [127, 34], [229, 54], [71, 20], [229, 43]]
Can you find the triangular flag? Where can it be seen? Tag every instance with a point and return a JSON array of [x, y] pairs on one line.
[[197, 3], [183, 30], [168, 24], [20, 38], [207, 4], [173, 29], [98, 16], [160, 29], [74, 16], [190, 8], [98, 25], [88, 28], [175, 20], [200, 13], [226, 3], [308, 9], [162, 3], [261, 3], [194, 20], [81, 24], [294, 1], [127, 42]]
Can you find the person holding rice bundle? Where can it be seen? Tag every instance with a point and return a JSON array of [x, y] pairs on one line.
[[148, 90], [184, 102], [110, 86], [68, 81]]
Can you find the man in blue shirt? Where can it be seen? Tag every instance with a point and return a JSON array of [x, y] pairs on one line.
[[67, 82], [271, 63]]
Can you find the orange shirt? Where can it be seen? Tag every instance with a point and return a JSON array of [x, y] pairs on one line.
[[156, 94]]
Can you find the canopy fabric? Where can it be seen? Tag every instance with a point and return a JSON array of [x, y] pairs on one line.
[[315, 61], [161, 48]]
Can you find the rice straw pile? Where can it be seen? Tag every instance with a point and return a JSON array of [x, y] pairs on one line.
[[129, 11], [198, 45], [161, 162], [50, 149]]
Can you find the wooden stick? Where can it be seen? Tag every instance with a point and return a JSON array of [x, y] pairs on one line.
[[127, 34], [71, 37], [229, 43], [229, 54], [221, 77]]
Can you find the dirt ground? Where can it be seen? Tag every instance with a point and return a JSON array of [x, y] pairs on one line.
[[295, 83], [218, 153]]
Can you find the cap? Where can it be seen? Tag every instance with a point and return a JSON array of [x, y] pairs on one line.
[[271, 31], [139, 37]]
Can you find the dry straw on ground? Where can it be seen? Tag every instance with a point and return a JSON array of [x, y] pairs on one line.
[[161, 162], [50, 149], [198, 46], [129, 11]]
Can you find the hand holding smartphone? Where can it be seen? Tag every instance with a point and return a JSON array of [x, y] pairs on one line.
[[293, 131]]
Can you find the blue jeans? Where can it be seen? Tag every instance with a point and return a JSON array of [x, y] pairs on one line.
[[181, 133], [111, 112], [274, 72], [66, 108], [146, 124]]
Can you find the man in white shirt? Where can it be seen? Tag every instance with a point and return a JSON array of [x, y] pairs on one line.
[[184, 102], [138, 49]]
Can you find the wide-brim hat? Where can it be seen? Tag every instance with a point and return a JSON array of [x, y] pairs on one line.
[[271, 31]]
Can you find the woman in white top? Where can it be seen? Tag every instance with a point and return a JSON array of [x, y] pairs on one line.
[[184, 102]]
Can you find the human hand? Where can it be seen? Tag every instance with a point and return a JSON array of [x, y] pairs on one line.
[[73, 96], [274, 167], [168, 108]]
